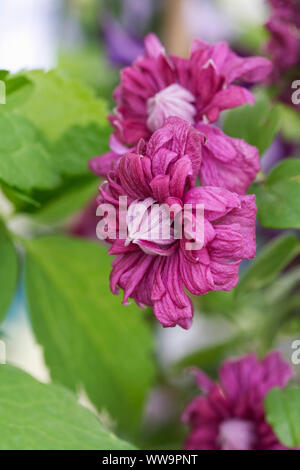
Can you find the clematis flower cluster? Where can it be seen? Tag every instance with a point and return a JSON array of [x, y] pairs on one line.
[[230, 415], [163, 146]]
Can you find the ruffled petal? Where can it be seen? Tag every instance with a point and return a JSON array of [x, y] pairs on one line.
[[245, 216], [217, 201], [103, 164], [174, 307], [227, 162], [228, 98]]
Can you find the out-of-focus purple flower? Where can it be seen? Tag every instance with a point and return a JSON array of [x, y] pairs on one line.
[[196, 89], [123, 36], [276, 152], [136, 15], [84, 225], [284, 28], [155, 272], [122, 46], [230, 415]]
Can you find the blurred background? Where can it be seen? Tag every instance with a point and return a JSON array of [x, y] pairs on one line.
[[91, 40]]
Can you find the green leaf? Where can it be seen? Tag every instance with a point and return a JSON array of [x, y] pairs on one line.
[[73, 198], [72, 152], [88, 337], [253, 38], [281, 288], [18, 91], [59, 102], [278, 199], [256, 124], [3, 74], [25, 162], [36, 416], [288, 169], [283, 414], [49, 138], [268, 264], [87, 64], [18, 198], [8, 270], [34, 171], [290, 122]]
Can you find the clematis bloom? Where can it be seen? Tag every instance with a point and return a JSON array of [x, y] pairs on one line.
[[230, 414], [196, 89], [159, 272]]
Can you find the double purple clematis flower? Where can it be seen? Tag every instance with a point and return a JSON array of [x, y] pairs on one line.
[[158, 272]]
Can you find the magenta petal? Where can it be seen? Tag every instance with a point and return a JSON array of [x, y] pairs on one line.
[[203, 380], [229, 98], [153, 46], [132, 176], [245, 216], [250, 69], [103, 164], [197, 277], [217, 201], [180, 173], [160, 187], [231, 162], [277, 372], [161, 161], [237, 376], [228, 242], [169, 315], [174, 307], [202, 438], [225, 274]]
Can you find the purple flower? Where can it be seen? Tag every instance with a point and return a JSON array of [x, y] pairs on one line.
[[123, 35], [230, 415], [122, 46], [84, 224], [196, 89], [284, 43], [156, 272]]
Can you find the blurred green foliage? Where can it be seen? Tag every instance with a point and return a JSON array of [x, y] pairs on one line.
[[88, 338]]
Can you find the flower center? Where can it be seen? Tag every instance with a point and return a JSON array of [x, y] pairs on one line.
[[236, 434], [171, 101], [149, 226]]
